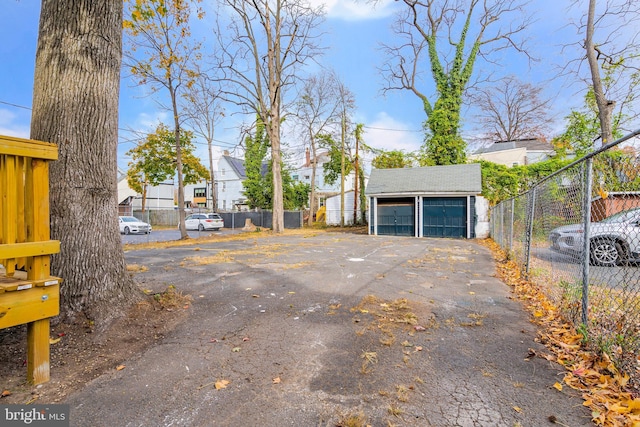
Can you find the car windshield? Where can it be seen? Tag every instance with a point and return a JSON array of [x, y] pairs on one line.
[[622, 216], [129, 219]]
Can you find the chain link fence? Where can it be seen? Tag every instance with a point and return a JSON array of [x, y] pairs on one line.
[[576, 234]]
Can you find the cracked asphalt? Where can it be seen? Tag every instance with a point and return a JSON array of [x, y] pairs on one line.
[[296, 329]]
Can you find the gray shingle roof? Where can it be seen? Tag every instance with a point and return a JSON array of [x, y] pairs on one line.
[[529, 144], [466, 178]]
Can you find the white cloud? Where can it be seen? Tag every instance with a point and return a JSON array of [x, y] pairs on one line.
[[356, 10], [11, 126]]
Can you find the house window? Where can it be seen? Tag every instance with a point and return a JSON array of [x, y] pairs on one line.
[[199, 192], [307, 177], [515, 164], [222, 171], [294, 177], [224, 186]]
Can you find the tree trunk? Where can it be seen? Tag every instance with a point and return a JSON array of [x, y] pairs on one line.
[[214, 201], [145, 186], [276, 167], [314, 163], [605, 107], [75, 104]]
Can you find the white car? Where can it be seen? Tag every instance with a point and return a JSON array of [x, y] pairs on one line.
[[613, 240], [130, 224], [203, 222]]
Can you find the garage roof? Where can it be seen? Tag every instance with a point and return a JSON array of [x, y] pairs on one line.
[[465, 178]]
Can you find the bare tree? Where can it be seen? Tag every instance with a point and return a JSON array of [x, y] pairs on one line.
[[511, 110], [161, 54], [203, 110], [75, 104], [611, 50], [268, 42], [318, 112], [447, 38]]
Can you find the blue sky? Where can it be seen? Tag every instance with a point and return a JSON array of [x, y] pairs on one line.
[[354, 32]]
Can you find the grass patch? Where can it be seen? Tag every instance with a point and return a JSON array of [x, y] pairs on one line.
[[172, 299], [352, 419], [136, 268]]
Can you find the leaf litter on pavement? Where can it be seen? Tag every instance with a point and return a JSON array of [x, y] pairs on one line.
[[605, 390]]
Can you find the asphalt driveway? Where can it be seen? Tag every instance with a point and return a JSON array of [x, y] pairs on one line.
[[314, 330]]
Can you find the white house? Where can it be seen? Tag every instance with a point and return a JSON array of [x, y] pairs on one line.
[[515, 153], [158, 197], [323, 190]]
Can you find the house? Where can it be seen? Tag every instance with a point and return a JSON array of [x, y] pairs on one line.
[[434, 201], [515, 153], [198, 195], [158, 197], [322, 190], [229, 188], [333, 208]]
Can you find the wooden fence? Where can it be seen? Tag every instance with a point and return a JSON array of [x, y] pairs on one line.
[[28, 293]]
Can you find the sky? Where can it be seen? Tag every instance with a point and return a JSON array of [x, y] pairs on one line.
[[353, 33]]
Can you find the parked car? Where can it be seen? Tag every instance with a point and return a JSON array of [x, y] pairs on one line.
[[203, 222], [613, 240], [130, 224]]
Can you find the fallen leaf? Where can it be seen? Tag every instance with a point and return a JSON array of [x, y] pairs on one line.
[[222, 384], [407, 344], [120, 367], [54, 340], [517, 409], [213, 340], [277, 380], [245, 339], [236, 349], [5, 393], [255, 296], [291, 293], [472, 293], [419, 328], [557, 386], [418, 348]]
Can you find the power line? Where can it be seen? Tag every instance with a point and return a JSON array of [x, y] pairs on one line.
[[142, 134], [393, 130], [15, 105]]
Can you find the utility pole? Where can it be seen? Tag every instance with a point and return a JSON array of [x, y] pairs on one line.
[[356, 174], [344, 130]]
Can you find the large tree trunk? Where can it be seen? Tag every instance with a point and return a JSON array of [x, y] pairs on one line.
[[75, 104], [605, 107]]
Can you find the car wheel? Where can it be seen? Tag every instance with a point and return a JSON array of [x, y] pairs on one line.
[[605, 252], [200, 227], [126, 230]]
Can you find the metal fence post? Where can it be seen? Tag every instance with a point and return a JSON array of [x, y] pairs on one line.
[[529, 236], [586, 245], [512, 220]]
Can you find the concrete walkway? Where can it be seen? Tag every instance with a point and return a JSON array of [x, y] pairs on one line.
[[286, 321]]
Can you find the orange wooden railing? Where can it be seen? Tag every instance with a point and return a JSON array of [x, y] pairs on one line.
[[28, 293]]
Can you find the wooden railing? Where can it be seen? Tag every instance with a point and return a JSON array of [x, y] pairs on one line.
[[28, 293]]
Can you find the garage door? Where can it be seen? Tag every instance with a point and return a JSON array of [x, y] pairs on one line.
[[396, 220], [445, 217]]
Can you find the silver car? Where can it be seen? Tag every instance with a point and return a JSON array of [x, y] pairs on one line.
[[613, 240], [203, 222], [130, 224]]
